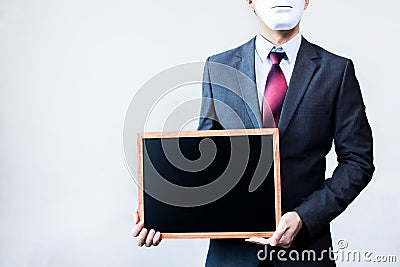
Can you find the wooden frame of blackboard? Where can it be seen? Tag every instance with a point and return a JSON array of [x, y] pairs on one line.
[[213, 133]]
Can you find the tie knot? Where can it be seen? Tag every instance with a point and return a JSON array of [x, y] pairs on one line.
[[276, 57]]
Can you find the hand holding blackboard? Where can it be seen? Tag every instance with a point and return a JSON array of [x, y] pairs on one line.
[[145, 237], [288, 228]]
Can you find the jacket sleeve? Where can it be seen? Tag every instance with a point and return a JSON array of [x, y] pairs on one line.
[[354, 149], [208, 119]]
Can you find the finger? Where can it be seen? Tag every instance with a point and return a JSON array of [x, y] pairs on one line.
[[280, 231], [285, 241], [136, 230], [258, 240], [149, 238], [142, 237], [157, 239]]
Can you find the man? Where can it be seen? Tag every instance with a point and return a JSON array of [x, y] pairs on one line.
[[314, 98]]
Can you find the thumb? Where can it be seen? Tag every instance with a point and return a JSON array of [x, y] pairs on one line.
[[135, 217], [280, 231]]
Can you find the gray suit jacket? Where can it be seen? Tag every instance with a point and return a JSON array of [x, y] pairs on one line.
[[323, 105]]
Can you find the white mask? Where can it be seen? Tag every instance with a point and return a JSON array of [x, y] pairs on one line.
[[280, 14]]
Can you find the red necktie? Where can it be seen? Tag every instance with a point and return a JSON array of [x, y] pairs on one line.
[[275, 91]]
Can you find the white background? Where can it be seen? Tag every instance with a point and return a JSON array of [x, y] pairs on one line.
[[68, 70]]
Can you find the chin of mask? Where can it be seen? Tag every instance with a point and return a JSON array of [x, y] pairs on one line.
[[280, 15]]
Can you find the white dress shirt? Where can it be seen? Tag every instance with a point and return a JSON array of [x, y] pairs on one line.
[[263, 63]]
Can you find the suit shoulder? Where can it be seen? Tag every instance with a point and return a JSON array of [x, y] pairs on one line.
[[228, 56], [330, 57]]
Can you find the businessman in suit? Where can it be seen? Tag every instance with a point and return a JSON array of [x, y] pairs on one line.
[[314, 98]]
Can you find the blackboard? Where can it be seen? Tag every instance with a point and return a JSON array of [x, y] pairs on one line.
[[210, 184]]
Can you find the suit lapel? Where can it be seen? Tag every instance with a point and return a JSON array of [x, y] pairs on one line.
[[247, 81], [302, 74]]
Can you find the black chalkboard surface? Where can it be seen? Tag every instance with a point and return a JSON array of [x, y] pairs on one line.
[[210, 184]]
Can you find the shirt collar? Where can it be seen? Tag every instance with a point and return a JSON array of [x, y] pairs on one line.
[[291, 48]]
